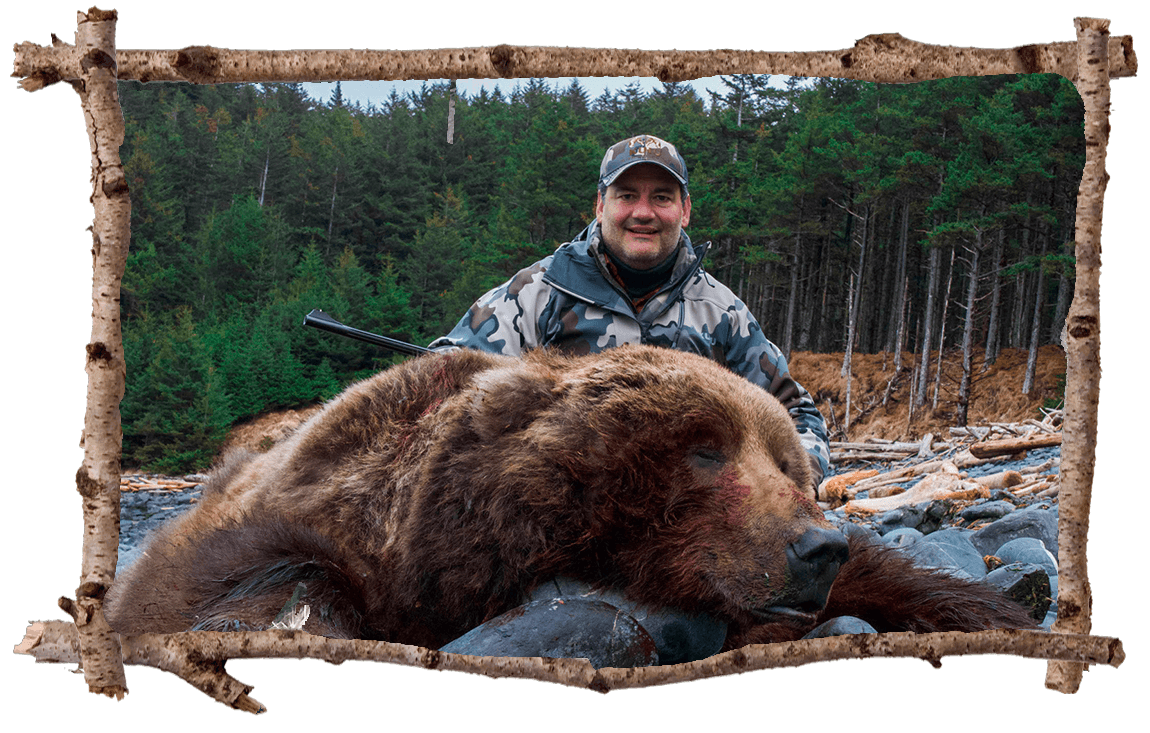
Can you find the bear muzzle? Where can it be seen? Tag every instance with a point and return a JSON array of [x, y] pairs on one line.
[[813, 562]]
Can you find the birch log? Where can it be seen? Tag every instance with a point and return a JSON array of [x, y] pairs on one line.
[[98, 479], [1083, 361]]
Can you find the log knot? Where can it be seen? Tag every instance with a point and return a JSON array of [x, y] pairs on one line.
[[503, 58], [88, 487], [197, 64], [115, 184], [672, 72], [98, 351], [92, 589], [1083, 326], [97, 58], [1029, 59]]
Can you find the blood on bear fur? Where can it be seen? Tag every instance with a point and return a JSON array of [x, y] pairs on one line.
[[438, 494]]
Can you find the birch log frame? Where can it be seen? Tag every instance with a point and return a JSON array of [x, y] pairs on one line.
[[92, 65]]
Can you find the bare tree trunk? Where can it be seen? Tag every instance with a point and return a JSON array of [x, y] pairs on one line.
[[1035, 322], [856, 295], [927, 318], [766, 294], [821, 337], [813, 266], [901, 279], [1020, 283], [331, 209], [742, 273], [1017, 311], [847, 359], [942, 333], [792, 296], [991, 352], [1063, 302], [968, 332], [451, 113], [264, 177], [898, 352]]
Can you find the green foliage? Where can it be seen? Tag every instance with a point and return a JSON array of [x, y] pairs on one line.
[[175, 412], [1054, 403]]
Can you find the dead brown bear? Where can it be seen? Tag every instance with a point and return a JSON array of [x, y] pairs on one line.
[[438, 494]]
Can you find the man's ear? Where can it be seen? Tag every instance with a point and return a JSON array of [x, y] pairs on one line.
[[686, 212], [599, 205]]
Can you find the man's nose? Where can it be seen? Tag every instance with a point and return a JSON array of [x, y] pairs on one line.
[[643, 209]]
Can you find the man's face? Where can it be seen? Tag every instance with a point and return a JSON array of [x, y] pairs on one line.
[[641, 214]]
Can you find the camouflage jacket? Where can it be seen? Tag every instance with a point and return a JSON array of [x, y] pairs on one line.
[[569, 301]]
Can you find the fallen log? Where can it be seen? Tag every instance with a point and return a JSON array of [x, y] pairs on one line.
[[1002, 480], [1014, 445], [934, 486]]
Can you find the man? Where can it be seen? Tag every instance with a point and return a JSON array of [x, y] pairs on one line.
[[633, 276]]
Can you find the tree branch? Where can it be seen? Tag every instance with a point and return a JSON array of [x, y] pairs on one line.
[[884, 57], [198, 657]]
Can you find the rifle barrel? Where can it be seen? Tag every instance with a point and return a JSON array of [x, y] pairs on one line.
[[324, 322]]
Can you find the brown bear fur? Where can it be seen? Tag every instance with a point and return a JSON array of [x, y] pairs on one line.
[[436, 495]]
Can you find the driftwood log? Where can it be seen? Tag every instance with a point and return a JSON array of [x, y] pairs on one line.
[[993, 448]]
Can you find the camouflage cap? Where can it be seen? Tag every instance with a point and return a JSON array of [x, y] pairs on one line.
[[642, 149]]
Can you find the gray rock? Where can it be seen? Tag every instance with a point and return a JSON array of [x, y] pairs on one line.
[[556, 628], [1028, 550], [950, 550], [678, 636], [904, 516], [987, 510], [1037, 523], [839, 626], [902, 537], [1026, 584], [850, 529]]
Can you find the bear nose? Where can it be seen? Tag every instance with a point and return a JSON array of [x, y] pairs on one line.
[[813, 561]]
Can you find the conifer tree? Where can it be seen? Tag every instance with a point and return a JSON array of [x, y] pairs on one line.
[[176, 415]]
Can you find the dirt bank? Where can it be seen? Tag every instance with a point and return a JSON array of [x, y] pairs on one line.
[[996, 394]]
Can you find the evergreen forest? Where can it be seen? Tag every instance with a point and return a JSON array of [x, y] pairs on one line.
[[850, 216]]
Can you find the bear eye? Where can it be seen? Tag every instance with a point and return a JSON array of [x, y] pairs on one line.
[[708, 458]]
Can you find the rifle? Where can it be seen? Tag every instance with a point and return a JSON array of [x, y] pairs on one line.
[[324, 322]]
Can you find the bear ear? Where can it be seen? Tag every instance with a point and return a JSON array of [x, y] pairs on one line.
[[507, 399]]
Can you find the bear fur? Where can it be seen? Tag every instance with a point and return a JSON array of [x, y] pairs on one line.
[[439, 493]]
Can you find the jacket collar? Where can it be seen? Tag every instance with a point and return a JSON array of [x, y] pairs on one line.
[[579, 268]]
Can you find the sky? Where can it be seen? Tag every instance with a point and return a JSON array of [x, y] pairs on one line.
[[374, 92]]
